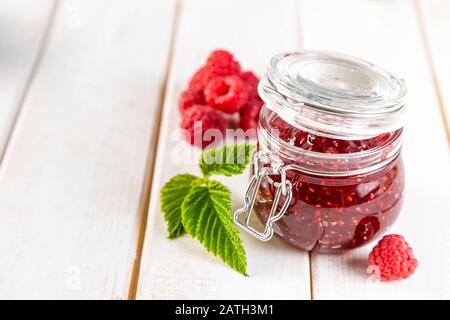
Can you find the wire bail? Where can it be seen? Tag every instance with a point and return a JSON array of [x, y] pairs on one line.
[[261, 159]]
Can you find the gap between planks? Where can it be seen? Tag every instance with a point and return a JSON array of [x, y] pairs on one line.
[[431, 66], [149, 171], [29, 80], [311, 277]]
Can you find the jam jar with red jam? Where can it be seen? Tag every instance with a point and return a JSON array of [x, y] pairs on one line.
[[328, 175]]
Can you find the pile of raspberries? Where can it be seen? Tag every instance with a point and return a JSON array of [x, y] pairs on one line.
[[221, 96]]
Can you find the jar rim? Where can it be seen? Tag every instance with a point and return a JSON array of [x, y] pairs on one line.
[[335, 93]]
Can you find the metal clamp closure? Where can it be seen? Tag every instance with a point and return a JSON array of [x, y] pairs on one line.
[[242, 217]]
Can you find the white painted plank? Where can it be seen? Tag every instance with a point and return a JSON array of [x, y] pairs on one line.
[[435, 15], [72, 178], [386, 32], [22, 28], [176, 269]]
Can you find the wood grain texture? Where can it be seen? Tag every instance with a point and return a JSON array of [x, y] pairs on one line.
[[72, 178], [181, 268], [386, 32], [23, 25], [434, 19]]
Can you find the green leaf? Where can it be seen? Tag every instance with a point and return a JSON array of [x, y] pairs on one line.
[[206, 213], [172, 196], [228, 160]]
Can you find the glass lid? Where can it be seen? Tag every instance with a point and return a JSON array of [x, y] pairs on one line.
[[333, 93]]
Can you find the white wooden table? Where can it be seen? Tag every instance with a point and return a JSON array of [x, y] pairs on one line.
[[88, 95]]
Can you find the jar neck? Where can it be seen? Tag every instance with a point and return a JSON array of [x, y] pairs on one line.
[[326, 164]]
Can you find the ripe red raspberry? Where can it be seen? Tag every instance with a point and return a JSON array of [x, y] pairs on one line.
[[393, 258], [197, 120], [220, 56], [227, 94], [197, 81], [251, 81], [252, 107], [248, 122], [220, 64], [190, 97], [223, 60], [206, 73], [249, 115], [250, 112]]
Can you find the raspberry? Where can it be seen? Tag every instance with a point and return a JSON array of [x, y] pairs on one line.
[[199, 79], [208, 118], [220, 64], [220, 56], [251, 81], [223, 60], [190, 97], [247, 122], [252, 107], [250, 113], [227, 94], [393, 257], [207, 73]]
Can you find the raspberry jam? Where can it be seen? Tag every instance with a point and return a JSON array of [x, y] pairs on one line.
[[334, 213], [328, 175]]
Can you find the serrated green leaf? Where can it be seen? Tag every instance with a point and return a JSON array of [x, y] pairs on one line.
[[228, 160], [173, 194], [206, 213]]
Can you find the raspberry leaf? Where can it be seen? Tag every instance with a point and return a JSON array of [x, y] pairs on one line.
[[228, 160], [206, 214], [172, 196]]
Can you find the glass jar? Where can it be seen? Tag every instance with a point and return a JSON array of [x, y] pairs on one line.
[[328, 175]]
